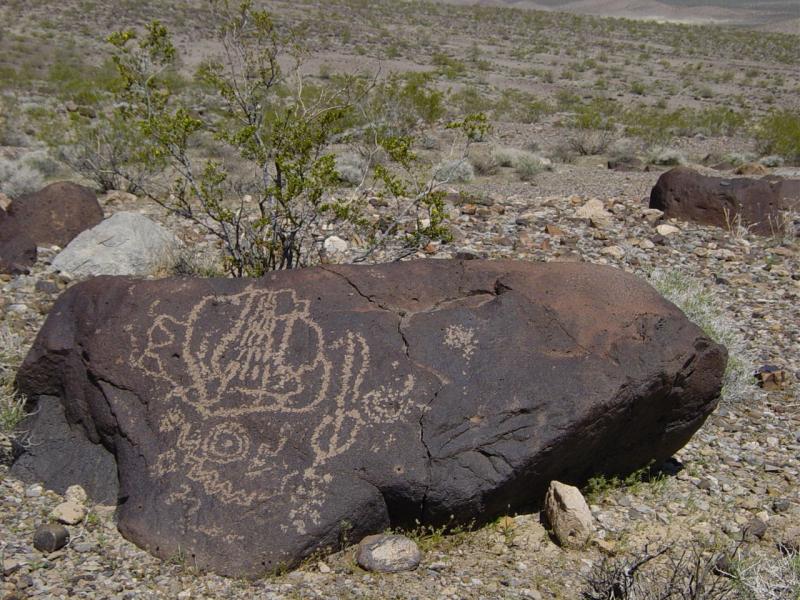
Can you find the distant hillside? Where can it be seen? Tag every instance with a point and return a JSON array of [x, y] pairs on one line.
[[778, 15]]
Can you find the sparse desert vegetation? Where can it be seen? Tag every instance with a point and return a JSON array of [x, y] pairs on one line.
[[425, 129]]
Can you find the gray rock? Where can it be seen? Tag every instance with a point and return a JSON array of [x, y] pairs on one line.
[[388, 554], [568, 515], [125, 244], [51, 537]]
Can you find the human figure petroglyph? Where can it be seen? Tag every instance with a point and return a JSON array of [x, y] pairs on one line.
[[272, 359]]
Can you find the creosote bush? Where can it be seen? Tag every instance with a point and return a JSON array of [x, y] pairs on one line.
[[282, 130]]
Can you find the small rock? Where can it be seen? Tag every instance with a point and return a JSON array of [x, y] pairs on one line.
[[69, 513], [755, 529], [76, 494], [652, 215], [613, 252], [772, 378], [781, 505], [595, 211], [11, 566], [323, 568], [388, 554], [553, 230], [34, 491], [51, 537], [667, 230], [335, 245], [568, 515]]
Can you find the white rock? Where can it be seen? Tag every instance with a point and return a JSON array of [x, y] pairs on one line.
[[76, 494], [594, 208], [568, 515], [125, 244], [646, 245], [334, 245], [666, 230], [69, 513], [652, 215], [388, 554]]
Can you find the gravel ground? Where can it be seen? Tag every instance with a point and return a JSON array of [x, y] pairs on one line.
[[736, 480]]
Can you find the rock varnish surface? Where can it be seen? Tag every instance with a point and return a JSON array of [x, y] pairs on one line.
[[255, 421]]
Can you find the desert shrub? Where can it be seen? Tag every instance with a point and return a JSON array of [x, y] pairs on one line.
[[767, 578], [667, 574], [598, 113], [562, 152], [484, 162], [406, 98], [519, 106], [506, 157], [779, 133], [638, 88], [18, 177], [525, 164], [11, 131], [529, 166], [284, 130], [567, 100], [657, 125], [448, 66], [454, 171], [590, 143], [107, 152], [772, 161], [665, 157], [470, 100]]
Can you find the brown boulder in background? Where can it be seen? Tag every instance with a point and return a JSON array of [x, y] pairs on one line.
[[761, 204], [254, 422], [57, 213], [17, 249]]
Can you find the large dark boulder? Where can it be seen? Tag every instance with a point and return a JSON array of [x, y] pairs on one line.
[[761, 205], [256, 421], [56, 214], [17, 249]]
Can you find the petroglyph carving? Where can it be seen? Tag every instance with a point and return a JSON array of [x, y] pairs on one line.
[[461, 338], [228, 390]]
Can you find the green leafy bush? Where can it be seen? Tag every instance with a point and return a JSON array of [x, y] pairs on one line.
[[779, 133], [283, 131]]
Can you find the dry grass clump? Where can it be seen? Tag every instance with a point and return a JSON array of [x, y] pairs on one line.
[[12, 403], [454, 171], [525, 164], [667, 574], [25, 174], [770, 579], [703, 308]]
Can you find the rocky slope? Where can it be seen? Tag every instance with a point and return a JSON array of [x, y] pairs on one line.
[[736, 480]]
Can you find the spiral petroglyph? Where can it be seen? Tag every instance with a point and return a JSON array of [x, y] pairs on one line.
[[272, 360]]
